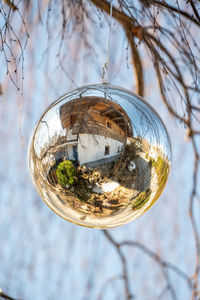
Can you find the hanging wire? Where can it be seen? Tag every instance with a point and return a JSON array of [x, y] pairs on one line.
[[106, 65]]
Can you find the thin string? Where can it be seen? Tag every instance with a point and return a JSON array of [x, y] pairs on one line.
[[106, 65]]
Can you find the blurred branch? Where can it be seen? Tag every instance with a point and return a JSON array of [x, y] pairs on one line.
[[4, 296], [168, 7], [192, 216], [117, 14], [194, 10], [124, 265], [11, 4], [11, 42], [110, 280], [164, 265], [158, 259], [1, 90], [137, 64], [131, 28]]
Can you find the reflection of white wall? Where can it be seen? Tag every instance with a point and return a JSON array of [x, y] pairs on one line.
[[91, 147], [70, 136]]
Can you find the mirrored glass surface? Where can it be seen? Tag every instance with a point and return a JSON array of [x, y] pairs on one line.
[[100, 156]]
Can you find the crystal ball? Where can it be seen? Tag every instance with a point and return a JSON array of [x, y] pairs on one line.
[[99, 156]]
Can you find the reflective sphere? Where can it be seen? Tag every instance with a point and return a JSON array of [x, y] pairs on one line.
[[99, 156]]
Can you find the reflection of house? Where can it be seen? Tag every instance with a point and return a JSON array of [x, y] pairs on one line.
[[95, 128]]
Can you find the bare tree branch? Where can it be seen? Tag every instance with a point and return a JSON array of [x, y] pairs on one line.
[[164, 265], [137, 65], [131, 28], [194, 10], [176, 10], [124, 265], [11, 4], [4, 296]]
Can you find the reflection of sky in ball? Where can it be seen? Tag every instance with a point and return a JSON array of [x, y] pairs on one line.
[[47, 130], [146, 122]]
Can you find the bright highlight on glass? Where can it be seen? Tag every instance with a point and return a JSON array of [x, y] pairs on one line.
[[100, 156]]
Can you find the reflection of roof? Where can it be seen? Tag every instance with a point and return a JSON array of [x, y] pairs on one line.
[[96, 116]]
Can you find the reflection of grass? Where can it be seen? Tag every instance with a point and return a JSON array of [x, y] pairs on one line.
[[161, 167], [141, 199]]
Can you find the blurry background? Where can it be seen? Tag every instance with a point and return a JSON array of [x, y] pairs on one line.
[[48, 49]]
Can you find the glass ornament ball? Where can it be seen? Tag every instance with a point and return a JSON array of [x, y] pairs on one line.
[[100, 156]]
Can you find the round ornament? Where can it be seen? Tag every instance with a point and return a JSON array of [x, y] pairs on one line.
[[99, 156]]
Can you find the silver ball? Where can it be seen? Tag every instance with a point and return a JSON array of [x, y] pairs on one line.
[[100, 156]]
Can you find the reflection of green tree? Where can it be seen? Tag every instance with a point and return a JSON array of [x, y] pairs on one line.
[[71, 178], [65, 173], [131, 150], [120, 170]]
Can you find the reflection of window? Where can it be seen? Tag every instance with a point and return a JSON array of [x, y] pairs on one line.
[[72, 119], [107, 150], [118, 149], [109, 125], [75, 152]]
